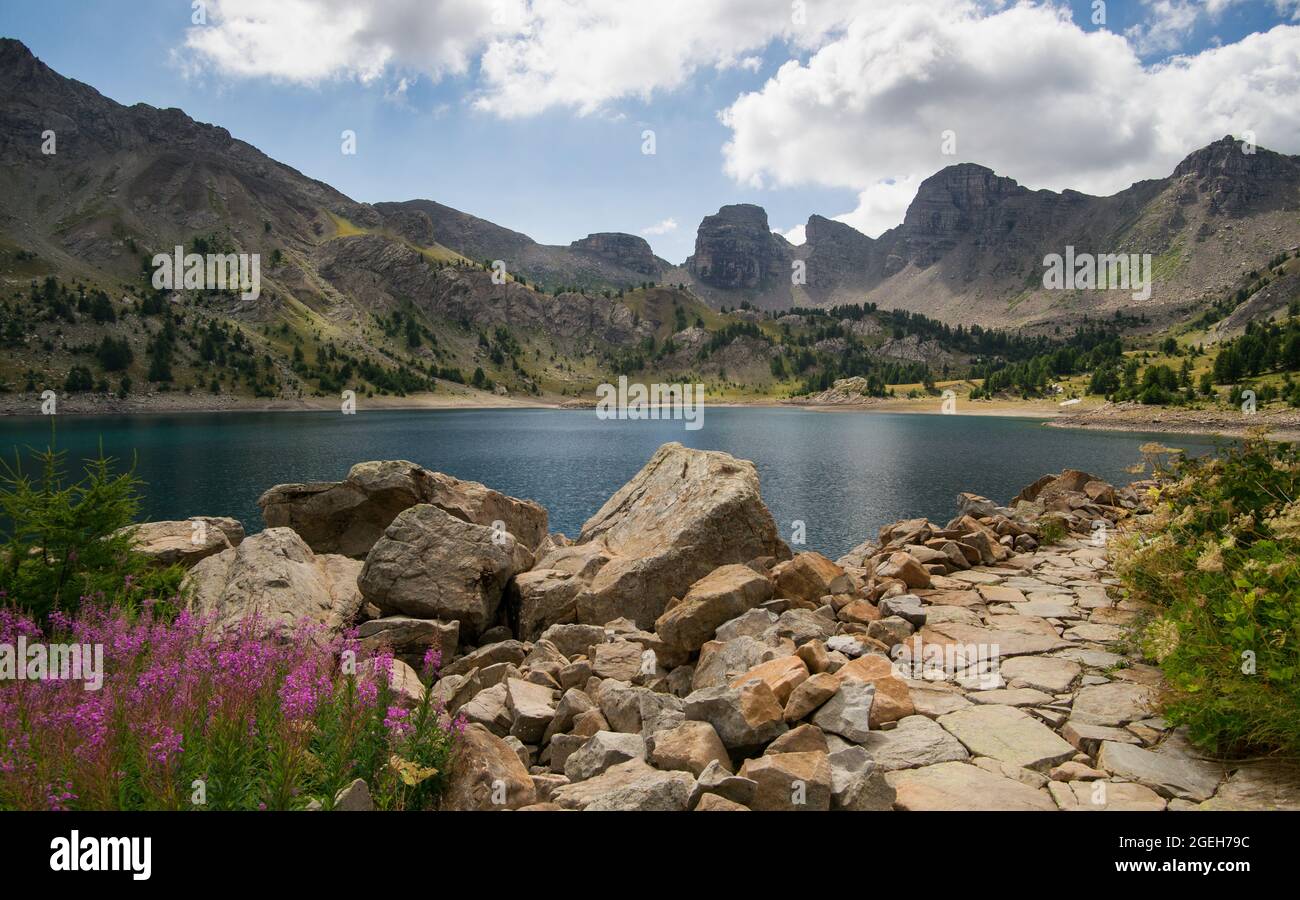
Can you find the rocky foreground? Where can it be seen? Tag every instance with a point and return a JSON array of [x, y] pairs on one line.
[[677, 655]]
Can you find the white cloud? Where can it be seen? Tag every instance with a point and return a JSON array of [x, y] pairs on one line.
[[663, 227], [796, 235], [862, 105], [882, 205], [532, 56], [308, 41], [1068, 108], [1170, 23], [583, 54]]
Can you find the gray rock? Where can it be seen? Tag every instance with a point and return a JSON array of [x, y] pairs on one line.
[[490, 709], [575, 640], [531, 708], [1053, 675], [354, 798], [512, 652], [405, 634], [906, 606], [857, 783], [638, 710], [848, 712], [749, 624], [744, 717], [1113, 704], [632, 786], [848, 644], [801, 626], [890, 631], [572, 704], [717, 780], [601, 751], [1168, 774], [721, 663], [1007, 734], [429, 564], [914, 741], [275, 574]]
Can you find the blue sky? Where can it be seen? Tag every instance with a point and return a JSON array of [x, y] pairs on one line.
[[842, 121]]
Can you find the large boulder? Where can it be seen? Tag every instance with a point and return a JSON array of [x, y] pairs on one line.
[[477, 503], [275, 576], [1050, 490], [811, 576], [715, 599], [629, 786], [349, 516], [686, 513], [543, 597], [790, 781], [429, 564], [486, 774], [744, 717], [186, 541]]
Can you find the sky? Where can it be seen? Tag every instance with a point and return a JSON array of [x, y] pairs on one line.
[[539, 115]]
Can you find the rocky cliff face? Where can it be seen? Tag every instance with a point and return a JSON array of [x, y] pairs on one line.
[[1235, 182], [626, 251], [837, 254], [736, 250], [971, 245], [956, 203]]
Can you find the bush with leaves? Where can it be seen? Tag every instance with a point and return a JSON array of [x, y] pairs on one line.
[[1219, 560], [63, 541]]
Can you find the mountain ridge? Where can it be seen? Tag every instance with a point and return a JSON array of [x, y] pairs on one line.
[[415, 294]]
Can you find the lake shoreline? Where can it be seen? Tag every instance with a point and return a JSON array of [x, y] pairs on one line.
[[1128, 417]]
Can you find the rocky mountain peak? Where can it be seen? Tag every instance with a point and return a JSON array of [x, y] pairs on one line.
[[836, 253], [735, 248], [1224, 155], [1238, 177], [14, 53], [621, 249], [966, 186]]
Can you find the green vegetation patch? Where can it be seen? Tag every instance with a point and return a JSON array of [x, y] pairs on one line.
[[1219, 560]]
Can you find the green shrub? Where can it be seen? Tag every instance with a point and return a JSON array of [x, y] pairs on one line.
[[1219, 560], [1051, 530], [62, 541]]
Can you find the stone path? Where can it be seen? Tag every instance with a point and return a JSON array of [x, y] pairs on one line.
[[1066, 720]]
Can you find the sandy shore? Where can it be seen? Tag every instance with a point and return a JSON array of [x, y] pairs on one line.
[[1283, 424], [166, 403]]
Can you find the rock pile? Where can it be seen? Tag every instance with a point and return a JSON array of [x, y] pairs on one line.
[[678, 656]]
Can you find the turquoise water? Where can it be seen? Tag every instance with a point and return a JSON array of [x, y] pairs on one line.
[[842, 474]]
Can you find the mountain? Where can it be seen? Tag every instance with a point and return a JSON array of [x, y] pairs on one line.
[[390, 298], [971, 246], [596, 261], [403, 297]]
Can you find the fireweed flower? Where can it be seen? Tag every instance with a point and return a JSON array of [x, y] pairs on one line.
[[432, 662], [177, 689], [396, 721]]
